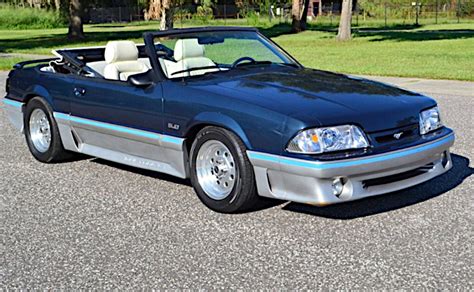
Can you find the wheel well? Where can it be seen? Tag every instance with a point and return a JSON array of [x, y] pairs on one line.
[[30, 97], [192, 133]]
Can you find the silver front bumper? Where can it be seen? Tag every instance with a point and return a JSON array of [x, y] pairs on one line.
[[311, 181]]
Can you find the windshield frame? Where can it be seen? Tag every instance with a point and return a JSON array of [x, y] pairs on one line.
[[150, 38]]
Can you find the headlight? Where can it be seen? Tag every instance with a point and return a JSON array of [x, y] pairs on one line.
[[430, 120], [321, 140]]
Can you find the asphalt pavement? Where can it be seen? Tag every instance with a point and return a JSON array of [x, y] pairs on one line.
[[95, 224]]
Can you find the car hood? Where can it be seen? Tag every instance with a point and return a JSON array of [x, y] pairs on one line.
[[319, 98]]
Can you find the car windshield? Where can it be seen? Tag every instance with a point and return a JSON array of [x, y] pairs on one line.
[[199, 53]]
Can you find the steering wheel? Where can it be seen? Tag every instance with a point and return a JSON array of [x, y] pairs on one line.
[[243, 59]]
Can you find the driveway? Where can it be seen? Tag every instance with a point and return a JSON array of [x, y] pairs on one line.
[[96, 224]]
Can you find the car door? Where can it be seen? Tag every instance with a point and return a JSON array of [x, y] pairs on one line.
[[118, 103], [117, 121]]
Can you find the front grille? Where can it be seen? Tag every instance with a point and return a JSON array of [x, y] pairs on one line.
[[397, 177], [391, 137], [394, 136]]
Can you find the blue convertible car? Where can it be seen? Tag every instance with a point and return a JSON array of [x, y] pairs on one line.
[[232, 111]]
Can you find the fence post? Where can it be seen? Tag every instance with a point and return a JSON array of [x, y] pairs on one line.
[[417, 12], [458, 9], [332, 7], [436, 12]]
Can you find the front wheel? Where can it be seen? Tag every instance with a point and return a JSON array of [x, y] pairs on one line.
[[41, 132], [221, 173]]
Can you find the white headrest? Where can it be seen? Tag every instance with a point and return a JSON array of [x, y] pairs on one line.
[[119, 51], [188, 48]]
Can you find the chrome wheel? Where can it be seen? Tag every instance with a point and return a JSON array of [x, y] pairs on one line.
[[215, 169], [40, 130]]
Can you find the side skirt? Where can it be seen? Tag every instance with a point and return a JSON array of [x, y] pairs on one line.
[[123, 145]]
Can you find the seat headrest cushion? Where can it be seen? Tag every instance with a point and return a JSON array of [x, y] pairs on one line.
[[188, 48], [119, 51]]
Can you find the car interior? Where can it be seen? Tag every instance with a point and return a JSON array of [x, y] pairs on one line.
[[122, 59]]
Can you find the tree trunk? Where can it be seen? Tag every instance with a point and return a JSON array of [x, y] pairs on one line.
[[299, 14], [166, 21], [344, 32], [57, 5], [296, 16], [76, 30], [304, 15]]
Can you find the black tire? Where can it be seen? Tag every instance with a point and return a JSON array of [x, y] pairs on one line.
[[243, 195], [56, 151]]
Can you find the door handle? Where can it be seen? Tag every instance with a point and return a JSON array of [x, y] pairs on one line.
[[78, 92]]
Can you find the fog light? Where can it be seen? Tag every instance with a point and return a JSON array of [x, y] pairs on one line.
[[337, 186]]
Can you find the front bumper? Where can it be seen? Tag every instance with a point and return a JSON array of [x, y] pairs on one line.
[[310, 182]]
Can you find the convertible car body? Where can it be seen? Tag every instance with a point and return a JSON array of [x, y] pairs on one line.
[[232, 111]]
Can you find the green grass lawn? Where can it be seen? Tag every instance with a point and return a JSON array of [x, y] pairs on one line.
[[443, 51]]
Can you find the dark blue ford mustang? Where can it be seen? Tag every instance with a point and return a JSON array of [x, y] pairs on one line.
[[232, 111]]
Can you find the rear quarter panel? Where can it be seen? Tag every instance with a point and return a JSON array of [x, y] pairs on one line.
[[55, 88]]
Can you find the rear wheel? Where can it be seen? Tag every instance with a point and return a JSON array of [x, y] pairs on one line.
[[41, 132], [221, 173]]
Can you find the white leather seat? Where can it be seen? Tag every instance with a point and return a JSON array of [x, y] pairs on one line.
[[122, 60], [99, 66], [189, 54]]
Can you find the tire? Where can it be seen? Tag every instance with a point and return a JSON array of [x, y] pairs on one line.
[[38, 109], [233, 169]]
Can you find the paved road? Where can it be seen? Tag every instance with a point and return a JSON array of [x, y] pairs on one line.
[[431, 86], [94, 224]]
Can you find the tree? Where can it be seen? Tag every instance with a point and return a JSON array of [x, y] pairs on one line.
[[167, 15], [299, 14], [163, 10], [344, 31], [76, 29]]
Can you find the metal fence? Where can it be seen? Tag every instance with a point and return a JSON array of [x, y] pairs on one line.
[[410, 12], [415, 12], [113, 14]]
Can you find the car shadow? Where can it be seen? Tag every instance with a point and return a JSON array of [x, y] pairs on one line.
[[350, 210], [392, 201], [261, 204]]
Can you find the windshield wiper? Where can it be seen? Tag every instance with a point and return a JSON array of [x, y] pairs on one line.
[[254, 63], [197, 68]]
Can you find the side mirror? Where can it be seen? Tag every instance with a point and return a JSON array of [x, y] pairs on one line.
[[141, 80]]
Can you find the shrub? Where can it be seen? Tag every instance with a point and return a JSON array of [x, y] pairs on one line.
[[203, 14], [26, 18], [253, 18]]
